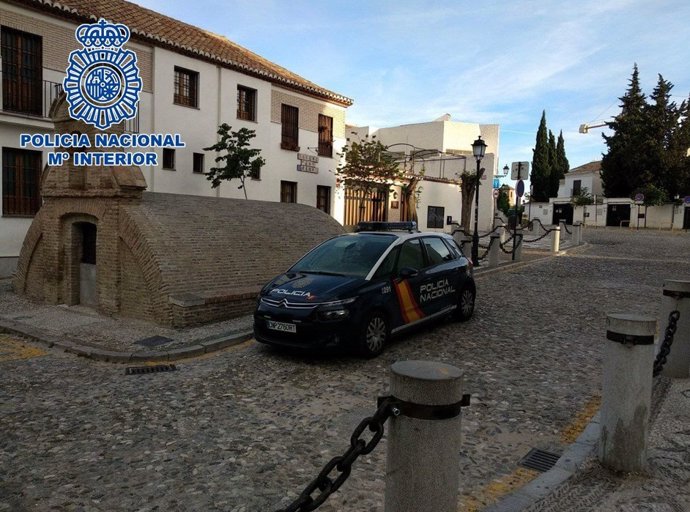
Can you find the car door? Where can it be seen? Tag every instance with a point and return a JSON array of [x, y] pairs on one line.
[[410, 277], [438, 292]]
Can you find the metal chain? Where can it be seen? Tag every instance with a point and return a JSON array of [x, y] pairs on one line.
[[343, 463], [539, 221], [502, 246], [548, 232], [566, 229], [665, 348], [487, 234]]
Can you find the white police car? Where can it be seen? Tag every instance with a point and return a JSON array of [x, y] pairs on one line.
[[358, 289]]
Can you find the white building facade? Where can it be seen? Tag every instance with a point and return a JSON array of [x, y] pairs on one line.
[[193, 81]]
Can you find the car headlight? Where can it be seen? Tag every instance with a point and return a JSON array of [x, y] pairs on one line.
[[335, 310]]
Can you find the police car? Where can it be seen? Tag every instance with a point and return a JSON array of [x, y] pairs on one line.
[[358, 289]]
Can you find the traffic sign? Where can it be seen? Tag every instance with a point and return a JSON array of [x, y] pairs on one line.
[[686, 200], [496, 192], [520, 188], [519, 170], [497, 183], [639, 197]]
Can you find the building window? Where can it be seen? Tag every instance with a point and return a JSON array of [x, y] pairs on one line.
[[246, 103], [169, 159], [577, 187], [289, 118], [435, 217], [21, 176], [22, 72], [323, 198], [288, 192], [186, 87], [197, 162], [325, 136]]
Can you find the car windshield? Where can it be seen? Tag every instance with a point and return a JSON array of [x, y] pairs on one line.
[[350, 255]]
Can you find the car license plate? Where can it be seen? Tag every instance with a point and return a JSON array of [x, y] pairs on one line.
[[281, 326]]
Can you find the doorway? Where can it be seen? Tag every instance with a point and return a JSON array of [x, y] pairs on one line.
[[686, 217], [87, 234], [562, 211], [618, 215]]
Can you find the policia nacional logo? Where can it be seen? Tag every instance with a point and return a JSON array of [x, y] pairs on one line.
[[102, 82]]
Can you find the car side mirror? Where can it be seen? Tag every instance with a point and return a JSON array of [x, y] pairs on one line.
[[407, 272]]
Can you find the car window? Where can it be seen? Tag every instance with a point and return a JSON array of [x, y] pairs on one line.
[[436, 251], [457, 253], [411, 255], [387, 265], [345, 255]]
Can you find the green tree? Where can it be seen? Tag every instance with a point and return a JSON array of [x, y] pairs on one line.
[[554, 176], [680, 142], [583, 198], [625, 163], [368, 166], [503, 202], [541, 167], [561, 166], [239, 159]]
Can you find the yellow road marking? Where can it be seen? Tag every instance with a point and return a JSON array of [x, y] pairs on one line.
[[500, 487], [13, 349]]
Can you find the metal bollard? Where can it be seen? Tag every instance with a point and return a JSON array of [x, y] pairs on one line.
[[555, 241], [423, 470], [627, 391], [677, 297], [503, 231], [494, 249]]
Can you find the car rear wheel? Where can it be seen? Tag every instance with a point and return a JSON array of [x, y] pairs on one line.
[[374, 335], [465, 304]]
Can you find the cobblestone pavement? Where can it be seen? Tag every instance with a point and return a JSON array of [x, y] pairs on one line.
[[245, 429]]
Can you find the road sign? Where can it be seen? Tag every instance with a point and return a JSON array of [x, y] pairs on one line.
[[523, 167], [520, 188], [686, 200], [639, 197], [497, 183], [496, 192]]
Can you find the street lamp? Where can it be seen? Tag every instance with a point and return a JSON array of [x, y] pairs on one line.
[[478, 149]]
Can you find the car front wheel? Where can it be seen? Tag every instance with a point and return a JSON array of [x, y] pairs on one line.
[[374, 335], [465, 304]]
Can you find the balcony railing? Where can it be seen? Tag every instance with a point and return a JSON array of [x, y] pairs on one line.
[[34, 98]]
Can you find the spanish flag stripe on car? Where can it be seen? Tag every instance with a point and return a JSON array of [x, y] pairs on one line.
[[408, 305]]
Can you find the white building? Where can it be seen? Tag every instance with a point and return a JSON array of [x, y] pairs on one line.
[[443, 148], [193, 81]]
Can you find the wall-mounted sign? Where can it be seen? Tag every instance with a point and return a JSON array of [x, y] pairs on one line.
[[395, 205], [307, 163]]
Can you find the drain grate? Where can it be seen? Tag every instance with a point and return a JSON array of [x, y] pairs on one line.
[[540, 460], [154, 341], [140, 370]]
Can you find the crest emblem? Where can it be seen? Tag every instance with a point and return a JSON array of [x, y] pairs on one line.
[[102, 82]]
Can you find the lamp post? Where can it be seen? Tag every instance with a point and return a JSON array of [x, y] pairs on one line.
[[478, 149]]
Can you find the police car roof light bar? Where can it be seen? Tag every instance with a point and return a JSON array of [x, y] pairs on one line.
[[410, 226]]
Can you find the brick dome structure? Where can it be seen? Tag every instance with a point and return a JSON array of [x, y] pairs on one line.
[[177, 260]]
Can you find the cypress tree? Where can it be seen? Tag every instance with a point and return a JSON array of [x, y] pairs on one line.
[[623, 167], [662, 121], [553, 168], [541, 164], [562, 164]]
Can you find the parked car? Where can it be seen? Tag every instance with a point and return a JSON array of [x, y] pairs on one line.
[[358, 289]]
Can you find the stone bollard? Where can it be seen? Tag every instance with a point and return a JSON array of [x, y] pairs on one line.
[[422, 468], [577, 233], [555, 241], [561, 224], [503, 231], [466, 244], [626, 391], [494, 249], [677, 297]]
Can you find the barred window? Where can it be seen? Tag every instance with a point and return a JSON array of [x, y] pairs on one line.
[[169, 159], [246, 103], [186, 87], [288, 192], [289, 119], [198, 162], [21, 176], [323, 198], [435, 217], [325, 136]]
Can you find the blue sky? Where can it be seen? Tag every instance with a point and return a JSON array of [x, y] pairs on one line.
[[498, 62]]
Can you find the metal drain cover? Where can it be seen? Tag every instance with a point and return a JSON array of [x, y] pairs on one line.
[[540, 460], [140, 370]]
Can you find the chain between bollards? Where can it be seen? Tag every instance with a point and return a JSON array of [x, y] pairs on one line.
[[665, 347]]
